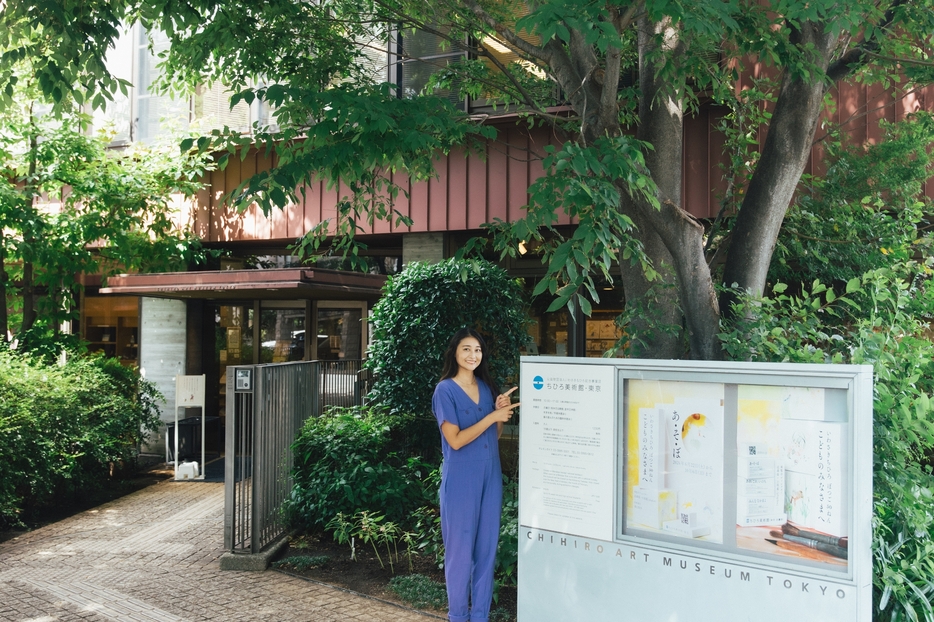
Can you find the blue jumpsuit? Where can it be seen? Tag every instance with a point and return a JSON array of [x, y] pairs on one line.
[[471, 502]]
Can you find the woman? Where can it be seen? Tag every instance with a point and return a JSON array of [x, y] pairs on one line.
[[471, 422]]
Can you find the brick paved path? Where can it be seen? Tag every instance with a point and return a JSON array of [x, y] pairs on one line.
[[152, 556]]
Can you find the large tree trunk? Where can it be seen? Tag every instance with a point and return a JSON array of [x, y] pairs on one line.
[[654, 330], [784, 156], [29, 297], [661, 115]]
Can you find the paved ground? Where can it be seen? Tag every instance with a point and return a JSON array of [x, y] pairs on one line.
[[152, 556]]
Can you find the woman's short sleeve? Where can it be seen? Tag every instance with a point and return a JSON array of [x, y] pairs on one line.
[[444, 406]]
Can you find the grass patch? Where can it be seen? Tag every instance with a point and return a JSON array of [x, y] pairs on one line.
[[302, 562], [417, 590], [300, 542]]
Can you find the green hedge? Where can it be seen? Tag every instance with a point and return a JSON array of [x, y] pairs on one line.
[[412, 323], [63, 428], [346, 461]]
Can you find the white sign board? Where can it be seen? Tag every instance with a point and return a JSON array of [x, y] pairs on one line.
[[694, 491], [564, 486], [189, 393]]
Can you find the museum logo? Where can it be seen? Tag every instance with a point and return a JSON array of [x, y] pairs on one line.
[[538, 382]]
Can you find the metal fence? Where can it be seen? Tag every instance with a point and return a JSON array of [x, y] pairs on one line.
[[266, 406]]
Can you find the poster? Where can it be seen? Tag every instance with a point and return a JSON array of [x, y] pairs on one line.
[[791, 495], [675, 484]]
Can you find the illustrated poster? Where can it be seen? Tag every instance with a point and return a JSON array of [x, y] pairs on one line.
[[675, 466], [791, 496]]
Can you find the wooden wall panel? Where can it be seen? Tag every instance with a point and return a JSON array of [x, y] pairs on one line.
[[403, 201], [471, 190], [201, 216], [437, 218], [497, 190], [476, 190], [695, 191], [879, 105], [418, 207], [295, 224], [311, 209], [718, 163], [518, 173], [457, 190], [329, 199], [258, 221], [382, 226]]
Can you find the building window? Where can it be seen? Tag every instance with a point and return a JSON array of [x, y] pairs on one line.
[[422, 54], [110, 325], [155, 113], [143, 115]]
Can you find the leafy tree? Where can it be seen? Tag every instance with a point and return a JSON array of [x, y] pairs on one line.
[[337, 122], [69, 205], [881, 318], [866, 212]]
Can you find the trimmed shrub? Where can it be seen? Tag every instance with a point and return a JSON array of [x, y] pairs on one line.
[[64, 428], [347, 461], [420, 309]]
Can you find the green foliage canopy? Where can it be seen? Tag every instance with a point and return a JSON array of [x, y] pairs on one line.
[[867, 211], [70, 205], [313, 64]]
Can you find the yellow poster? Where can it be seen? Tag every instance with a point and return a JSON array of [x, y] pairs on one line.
[[675, 466]]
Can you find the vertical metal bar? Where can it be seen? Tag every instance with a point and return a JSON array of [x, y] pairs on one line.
[[229, 461], [262, 427], [310, 337], [312, 332], [317, 382], [249, 462], [259, 392]]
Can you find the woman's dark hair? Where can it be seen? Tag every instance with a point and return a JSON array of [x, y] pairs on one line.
[[450, 360]]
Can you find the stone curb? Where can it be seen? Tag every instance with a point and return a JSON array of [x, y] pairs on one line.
[[253, 562]]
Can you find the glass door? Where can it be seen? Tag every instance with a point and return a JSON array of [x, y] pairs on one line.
[[341, 330]]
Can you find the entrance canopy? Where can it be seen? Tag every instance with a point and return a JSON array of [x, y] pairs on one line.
[[274, 284]]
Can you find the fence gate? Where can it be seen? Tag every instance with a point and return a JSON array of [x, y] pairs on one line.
[[266, 407]]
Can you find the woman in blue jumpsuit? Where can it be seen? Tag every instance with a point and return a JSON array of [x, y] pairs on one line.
[[471, 420]]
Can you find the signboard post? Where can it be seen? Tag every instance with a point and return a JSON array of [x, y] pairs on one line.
[[189, 393], [688, 490]]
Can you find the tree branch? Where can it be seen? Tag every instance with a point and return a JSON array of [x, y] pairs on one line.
[[902, 61], [856, 57]]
